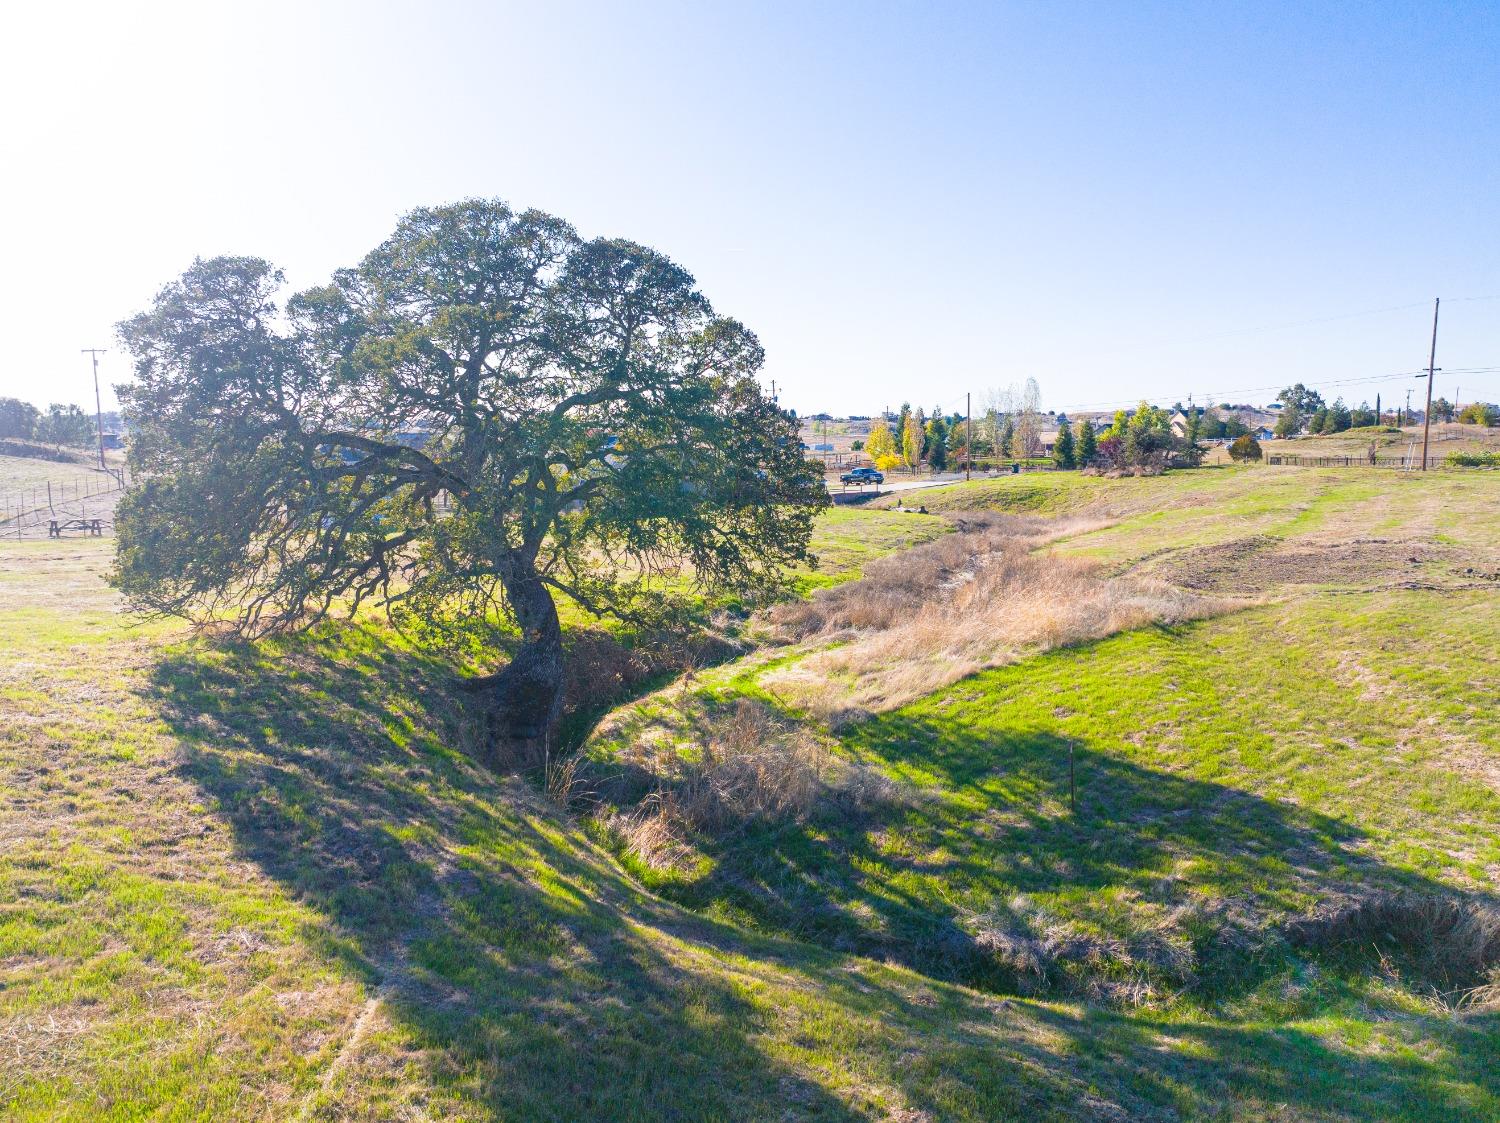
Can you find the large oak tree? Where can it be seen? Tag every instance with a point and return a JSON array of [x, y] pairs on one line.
[[487, 411]]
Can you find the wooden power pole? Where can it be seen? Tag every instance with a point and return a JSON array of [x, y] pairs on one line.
[[1431, 359], [969, 433], [94, 353]]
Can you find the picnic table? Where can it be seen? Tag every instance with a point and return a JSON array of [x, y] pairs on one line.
[[55, 527]]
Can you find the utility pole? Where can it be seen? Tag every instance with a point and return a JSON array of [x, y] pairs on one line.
[[94, 353], [1407, 417], [1431, 358], [969, 433]]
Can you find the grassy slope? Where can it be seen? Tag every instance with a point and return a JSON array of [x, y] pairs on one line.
[[21, 475], [256, 882], [1232, 772]]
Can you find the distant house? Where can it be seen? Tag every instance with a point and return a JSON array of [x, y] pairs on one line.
[[1179, 424], [1264, 434], [112, 440]]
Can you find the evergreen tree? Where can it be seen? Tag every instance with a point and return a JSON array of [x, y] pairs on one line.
[[1088, 445], [936, 444], [1008, 439], [1062, 451], [1289, 424]]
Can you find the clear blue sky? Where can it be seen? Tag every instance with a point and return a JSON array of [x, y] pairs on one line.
[[906, 201]]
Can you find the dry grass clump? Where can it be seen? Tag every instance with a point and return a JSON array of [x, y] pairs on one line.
[[750, 767], [1043, 953], [1453, 943], [929, 616]]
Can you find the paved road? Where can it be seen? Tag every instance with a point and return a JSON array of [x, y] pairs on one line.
[[894, 482]]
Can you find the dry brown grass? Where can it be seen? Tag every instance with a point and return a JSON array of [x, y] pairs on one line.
[[925, 618], [751, 767], [1454, 943]]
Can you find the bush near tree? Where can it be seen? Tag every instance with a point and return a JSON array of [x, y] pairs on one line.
[[1480, 413], [1245, 448]]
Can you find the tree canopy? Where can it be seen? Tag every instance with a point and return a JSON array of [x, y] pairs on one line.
[[17, 418], [65, 425], [486, 411]]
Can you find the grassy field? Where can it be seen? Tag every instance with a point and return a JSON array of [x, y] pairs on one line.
[[1444, 438], [21, 475], [266, 881]]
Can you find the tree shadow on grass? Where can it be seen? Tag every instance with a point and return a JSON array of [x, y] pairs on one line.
[[527, 979], [1029, 862], [499, 944]]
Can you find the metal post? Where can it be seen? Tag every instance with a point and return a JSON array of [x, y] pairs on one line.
[[969, 434], [1431, 358]]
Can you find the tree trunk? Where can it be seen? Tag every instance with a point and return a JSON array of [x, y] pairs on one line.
[[525, 698]]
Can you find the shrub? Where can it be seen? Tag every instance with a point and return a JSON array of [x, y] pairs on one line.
[[1474, 460], [1245, 448]]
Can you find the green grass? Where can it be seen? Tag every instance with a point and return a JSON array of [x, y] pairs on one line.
[[268, 881]]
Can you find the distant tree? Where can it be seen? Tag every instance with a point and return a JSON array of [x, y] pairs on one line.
[[1299, 397], [1118, 424], [856, 445], [1289, 424], [1233, 427], [1194, 428], [1245, 448], [1063, 453], [958, 441], [1318, 423], [1442, 410], [17, 418], [1362, 417], [1088, 444], [900, 427], [1028, 436], [881, 443], [1110, 449], [1480, 413], [589, 419], [1008, 439], [65, 426], [1339, 417], [911, 442], [935, 444]]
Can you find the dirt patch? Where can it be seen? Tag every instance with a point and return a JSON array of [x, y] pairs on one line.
[[1261, 563]]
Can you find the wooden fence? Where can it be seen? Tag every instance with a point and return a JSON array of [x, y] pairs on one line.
[[1409, 463], [31, 506]]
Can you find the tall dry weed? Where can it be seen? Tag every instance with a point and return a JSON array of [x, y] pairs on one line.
[[751, 767], [929, 616]]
